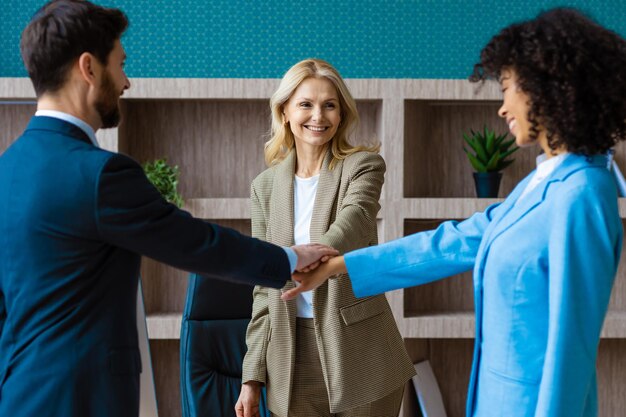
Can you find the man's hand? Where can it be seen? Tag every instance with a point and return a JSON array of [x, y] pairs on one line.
[[249, 398], [313, 279], [311, 255]]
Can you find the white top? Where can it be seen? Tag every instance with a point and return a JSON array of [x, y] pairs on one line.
[[545, 167], [304, 192]]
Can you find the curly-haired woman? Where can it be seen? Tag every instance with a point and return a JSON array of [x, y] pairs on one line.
[[545, 259]]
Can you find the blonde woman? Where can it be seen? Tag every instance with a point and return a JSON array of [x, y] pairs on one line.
[[325, 353]]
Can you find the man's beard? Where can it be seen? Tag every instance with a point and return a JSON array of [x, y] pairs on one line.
[[107, 104]]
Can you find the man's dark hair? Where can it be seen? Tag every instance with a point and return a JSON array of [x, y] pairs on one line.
[[574, 72], [60, 32]]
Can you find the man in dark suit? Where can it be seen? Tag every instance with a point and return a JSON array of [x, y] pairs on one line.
[[74, 220]]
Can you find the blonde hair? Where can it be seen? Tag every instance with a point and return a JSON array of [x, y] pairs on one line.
[[281, 138]]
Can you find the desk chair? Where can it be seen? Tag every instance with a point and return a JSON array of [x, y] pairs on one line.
[[212, 347]]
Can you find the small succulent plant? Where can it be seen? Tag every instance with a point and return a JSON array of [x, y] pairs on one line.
[[490, 151]]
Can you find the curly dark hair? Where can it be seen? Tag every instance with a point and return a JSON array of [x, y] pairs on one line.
[[574, 72]]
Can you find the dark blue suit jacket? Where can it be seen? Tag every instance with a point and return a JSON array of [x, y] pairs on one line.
[[74, 220]]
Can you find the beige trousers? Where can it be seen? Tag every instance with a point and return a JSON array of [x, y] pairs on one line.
[[309, 397]]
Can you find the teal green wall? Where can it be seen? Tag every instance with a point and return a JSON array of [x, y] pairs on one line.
[[262, 39]]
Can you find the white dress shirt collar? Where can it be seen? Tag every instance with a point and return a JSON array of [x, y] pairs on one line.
[[73, 120]]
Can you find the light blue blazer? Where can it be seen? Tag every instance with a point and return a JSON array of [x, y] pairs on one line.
[[543, 272]]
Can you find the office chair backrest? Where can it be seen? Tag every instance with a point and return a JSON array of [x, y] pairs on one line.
[[213, 345]]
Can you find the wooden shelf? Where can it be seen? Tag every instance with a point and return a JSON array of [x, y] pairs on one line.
[[444, 208], [219, 208], [446, 325], [614, 325], [456, 208], [462, 325], [622, 207], [164, 325]]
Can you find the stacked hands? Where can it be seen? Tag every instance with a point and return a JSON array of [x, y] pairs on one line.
[[316, 263]]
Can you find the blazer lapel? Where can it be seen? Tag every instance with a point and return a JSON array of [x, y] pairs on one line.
[[325, 198], [517, 211], [281, 202], [281, 220]]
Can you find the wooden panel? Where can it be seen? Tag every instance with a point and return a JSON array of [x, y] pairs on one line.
[[166, 367], [451, 360], [618, 295], [165, 287], [454, 294], [611, 367], [435, 164], [14, 117]]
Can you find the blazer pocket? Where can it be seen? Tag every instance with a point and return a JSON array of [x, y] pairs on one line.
[[124, 361], [363, 310]]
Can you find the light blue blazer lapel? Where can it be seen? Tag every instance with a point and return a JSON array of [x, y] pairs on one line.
[[518, 210], [506, 206]]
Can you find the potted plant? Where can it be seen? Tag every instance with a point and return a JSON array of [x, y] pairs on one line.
[[489, 157], [165, 178]]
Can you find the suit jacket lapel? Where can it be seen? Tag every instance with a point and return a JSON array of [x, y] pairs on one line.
[[325, 197]]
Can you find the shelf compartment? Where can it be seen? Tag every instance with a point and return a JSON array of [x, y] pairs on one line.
[[435, 164], [451, 361], [165, 287], [217, 144], [14, 117], [450, 295]]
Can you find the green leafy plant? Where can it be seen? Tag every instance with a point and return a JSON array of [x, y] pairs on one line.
[[490, 151], [165, 178]]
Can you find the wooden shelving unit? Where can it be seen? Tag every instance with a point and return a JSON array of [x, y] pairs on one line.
[[214, 130]]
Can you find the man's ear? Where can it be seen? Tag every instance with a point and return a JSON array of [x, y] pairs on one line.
[[88, 66]]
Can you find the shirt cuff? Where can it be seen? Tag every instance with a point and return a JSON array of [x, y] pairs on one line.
[[293, 258]]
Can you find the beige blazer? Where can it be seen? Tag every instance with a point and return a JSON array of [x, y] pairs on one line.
[[362, 353]]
